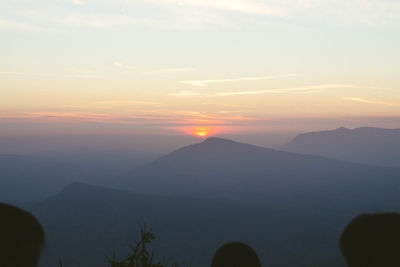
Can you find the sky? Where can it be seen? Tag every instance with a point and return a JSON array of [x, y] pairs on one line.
[[198, 67]]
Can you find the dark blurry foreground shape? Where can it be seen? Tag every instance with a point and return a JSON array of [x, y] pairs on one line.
[[372, 240], [140, 255], [235, 254], [21, 238]]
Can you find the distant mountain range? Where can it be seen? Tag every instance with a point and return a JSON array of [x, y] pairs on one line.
[[223, 169], [205, 194], [30, 178], [364, 145]]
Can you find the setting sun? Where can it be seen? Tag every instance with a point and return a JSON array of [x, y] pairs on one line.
[[201, 133]]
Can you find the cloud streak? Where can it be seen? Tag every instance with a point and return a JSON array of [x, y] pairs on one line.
[[169, 70], [241, 6], [18, 26], [289, 90], [370, 102], [126, 67], [78, 2], [365, 12], [185, 94], [194, 14], [203, 83], [64, 74]]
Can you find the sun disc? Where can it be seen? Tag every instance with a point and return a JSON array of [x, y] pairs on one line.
[[201, 133]]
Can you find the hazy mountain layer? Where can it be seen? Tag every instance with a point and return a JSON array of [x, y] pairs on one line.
[[290, 207], [37, 176], [220, 168], [365, 145]]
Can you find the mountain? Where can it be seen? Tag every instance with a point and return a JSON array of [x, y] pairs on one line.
[[26, 179], [364, 145], [205, 194], [30, 178], [223, 169], [84, 224]]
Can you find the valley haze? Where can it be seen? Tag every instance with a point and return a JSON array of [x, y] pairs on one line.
[[292, 202]]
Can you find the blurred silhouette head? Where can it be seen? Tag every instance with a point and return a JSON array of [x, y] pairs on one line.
[[372, 240], [235, 254], [21, 238]]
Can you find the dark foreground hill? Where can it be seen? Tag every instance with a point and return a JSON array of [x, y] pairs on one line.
[[365, 145], [220, 168], [84, 223]]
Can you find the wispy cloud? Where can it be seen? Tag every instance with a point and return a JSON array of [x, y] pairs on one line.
[[118, 64], [169, 70], [127, 67], [366, 12], [371, 102], [124, 68], [194, 14], [112, 103], [185, 94], [146, 115], [59, 117], [78, 2], [69, 74], [242, 6], [19, 26], [202, 83], [95, 20], [290, 90], [26, 73], [10, 73]]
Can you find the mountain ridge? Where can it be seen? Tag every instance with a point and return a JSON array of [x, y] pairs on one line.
[[203, 195], [220, 168], [366, 145]]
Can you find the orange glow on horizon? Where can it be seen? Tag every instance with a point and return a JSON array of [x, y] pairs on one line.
[[202, 132]]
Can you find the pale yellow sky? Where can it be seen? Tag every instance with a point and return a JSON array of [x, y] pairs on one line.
[[224, 66]]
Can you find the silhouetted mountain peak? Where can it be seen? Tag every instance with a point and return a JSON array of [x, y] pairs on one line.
[[212, 149], [218, 148], [212, 153], [214, 139], [218, 141], [78, 190], [75, 187], [342, 129]]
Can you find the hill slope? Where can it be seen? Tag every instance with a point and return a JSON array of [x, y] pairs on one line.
[[280, 203], [220, 168], [84, 224], [38, 176]]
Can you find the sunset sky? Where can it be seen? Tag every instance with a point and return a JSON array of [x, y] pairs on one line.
[[200, 66]]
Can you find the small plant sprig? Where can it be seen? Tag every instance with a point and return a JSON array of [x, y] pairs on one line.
[[140, 255]]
